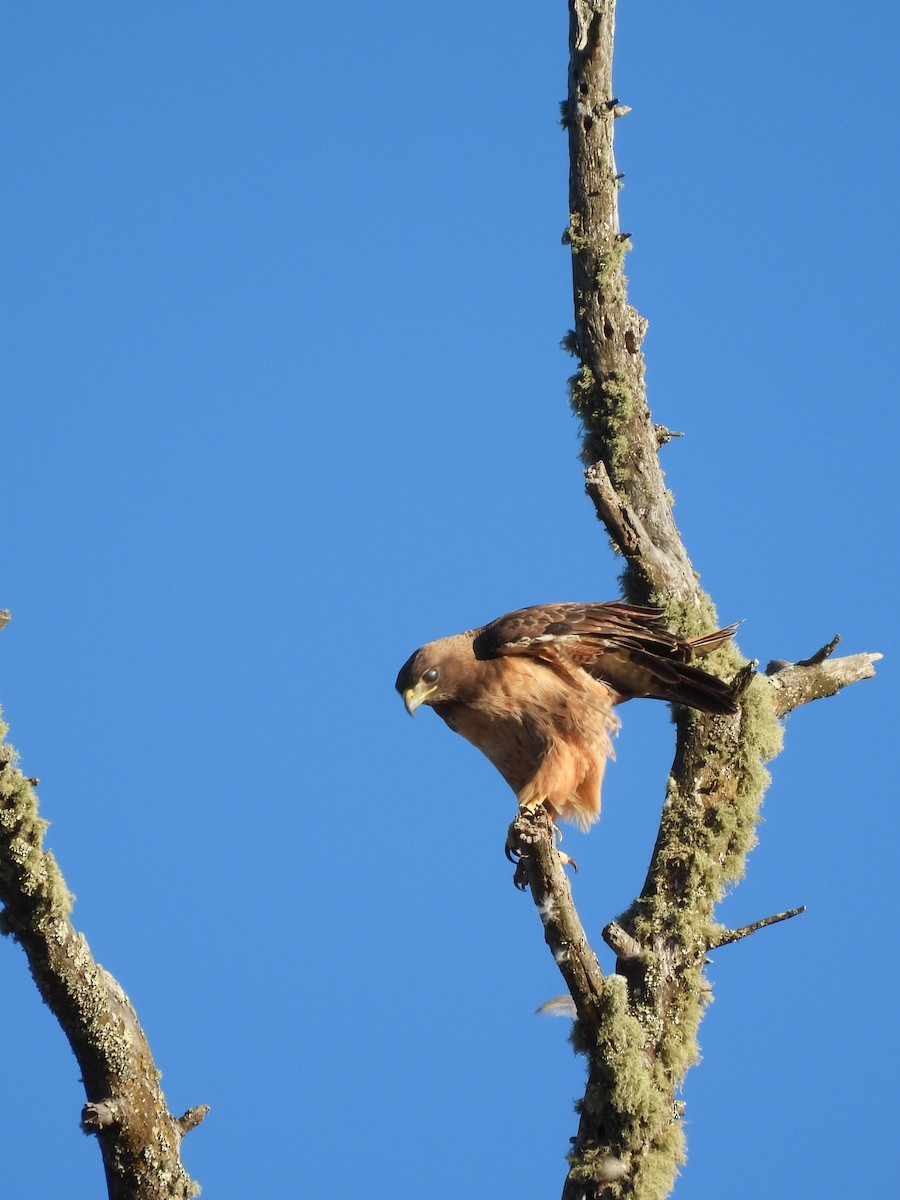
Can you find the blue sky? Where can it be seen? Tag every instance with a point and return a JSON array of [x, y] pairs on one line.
[[284, 398]]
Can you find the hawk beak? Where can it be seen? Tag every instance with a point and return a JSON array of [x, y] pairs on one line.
[[415, 696]]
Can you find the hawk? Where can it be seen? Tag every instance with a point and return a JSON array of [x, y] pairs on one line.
[[536, 690]]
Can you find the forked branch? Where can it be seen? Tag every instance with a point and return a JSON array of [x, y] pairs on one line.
[[637, 1026]]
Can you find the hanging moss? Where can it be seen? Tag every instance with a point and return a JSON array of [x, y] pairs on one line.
[[573, 235], [623, 1100], [604, 407], [655, 1171], [610, 267]]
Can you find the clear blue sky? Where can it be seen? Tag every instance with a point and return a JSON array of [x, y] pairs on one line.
[[283, 398]]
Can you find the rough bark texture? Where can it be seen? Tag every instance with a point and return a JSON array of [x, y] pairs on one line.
[[638, 1026], [139, 1138]]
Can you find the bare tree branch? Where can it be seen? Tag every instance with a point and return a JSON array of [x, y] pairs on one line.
[[820, 655], [815, 678], [139, 1138], [531, 840], [637, 1027], [726, 936]]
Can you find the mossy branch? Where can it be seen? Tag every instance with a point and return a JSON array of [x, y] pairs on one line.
[[139, 1138], [638, 1026]]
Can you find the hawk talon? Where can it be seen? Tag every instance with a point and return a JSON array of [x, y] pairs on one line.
[[566, 861]]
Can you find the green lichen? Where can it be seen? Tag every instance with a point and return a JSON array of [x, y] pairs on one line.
[[609, 271], [761, 739], [28, 873], [656, 1170], [623, 1100], [707, 828], [732, 812], [604, 406], [574, 236]]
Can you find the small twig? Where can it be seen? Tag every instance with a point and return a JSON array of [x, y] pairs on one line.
[[192, 1118], [744, 678], [664, 435], [619, 940], [99, 1115], [735, 935], [821, 655]]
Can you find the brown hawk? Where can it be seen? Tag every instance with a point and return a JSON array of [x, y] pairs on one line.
[[535, 692]]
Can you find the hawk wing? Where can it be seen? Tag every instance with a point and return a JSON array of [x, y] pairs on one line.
[[625, 646]]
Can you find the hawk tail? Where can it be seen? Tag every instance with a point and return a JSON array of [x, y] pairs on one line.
[[707, 642], [697, 689], [643, 673]]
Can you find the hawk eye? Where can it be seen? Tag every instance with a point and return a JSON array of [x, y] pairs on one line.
[[431, 675]]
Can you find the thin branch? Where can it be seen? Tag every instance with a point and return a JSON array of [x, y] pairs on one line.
[[139, 1138], [663, 435], [820, 655], [622, 522], [531, 840], [727, 936], [740, 685]]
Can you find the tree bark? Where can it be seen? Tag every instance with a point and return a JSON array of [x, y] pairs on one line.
[[638, 1026], [139, 1138]]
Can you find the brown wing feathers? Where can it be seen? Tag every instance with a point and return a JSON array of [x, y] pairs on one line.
[[627, 647]]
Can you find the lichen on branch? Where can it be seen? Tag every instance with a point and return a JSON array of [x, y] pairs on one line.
[[638, 1027], [139, 1138]]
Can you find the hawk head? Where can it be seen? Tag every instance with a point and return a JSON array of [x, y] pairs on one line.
[[429, 676]]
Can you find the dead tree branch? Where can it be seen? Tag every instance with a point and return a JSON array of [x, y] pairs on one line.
[[139, 1138], [531, 840], [638, 1026], [727, 936], [815, 678]]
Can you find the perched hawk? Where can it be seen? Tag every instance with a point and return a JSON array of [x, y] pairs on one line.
[[535, 692]]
